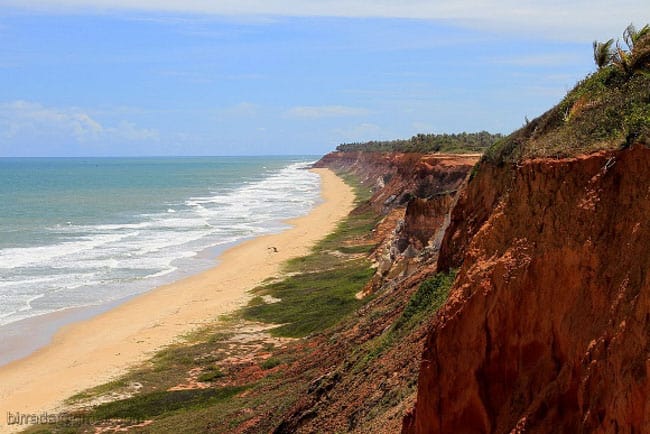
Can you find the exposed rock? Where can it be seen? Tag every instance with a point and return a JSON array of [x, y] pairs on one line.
[[425, 217]]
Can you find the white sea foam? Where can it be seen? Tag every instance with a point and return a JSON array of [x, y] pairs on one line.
[[43, 255], [94, 263]]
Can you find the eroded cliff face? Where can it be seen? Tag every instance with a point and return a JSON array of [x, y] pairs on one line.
[[398, 177], [547, 328], [415, 193]]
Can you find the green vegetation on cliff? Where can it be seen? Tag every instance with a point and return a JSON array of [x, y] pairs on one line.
[[429, 143], [431, 294], [321, 287], [429, 297], [609, 109]]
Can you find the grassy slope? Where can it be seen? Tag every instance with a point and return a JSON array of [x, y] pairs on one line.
[[430, 295], [607, 110], [370, 361]]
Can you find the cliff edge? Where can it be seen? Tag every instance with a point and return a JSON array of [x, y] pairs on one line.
[[547, 327]]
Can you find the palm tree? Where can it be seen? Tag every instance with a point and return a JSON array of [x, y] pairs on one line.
[[639, 43], [621, 58], [638, 54], [603, 54], [632, 36]]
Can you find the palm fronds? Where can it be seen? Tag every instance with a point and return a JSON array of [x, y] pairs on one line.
[[603, 54], [635, 58]]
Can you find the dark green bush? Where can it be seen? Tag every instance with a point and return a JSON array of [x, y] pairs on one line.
[[270, 363]]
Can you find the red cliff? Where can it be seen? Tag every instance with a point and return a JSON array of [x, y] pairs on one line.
[[396, 177], [415, 192], [547, 328]]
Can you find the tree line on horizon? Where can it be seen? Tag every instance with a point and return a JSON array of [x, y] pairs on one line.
[[427, 143]]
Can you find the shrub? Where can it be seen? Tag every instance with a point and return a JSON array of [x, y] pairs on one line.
[[270, 363], [429, 297]]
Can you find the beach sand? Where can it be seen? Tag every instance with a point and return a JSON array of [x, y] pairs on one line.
[[92, 352]]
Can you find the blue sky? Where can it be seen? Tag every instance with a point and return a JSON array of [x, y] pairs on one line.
[[144, 77]]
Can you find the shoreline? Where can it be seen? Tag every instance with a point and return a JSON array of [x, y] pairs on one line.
[[24, 337], [91, 352]]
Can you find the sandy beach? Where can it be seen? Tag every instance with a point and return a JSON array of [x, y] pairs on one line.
[[94, 351]]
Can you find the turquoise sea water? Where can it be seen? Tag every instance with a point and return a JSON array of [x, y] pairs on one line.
[[85, 231]]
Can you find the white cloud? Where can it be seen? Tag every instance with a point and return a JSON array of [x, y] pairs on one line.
[[326, 111], [581, 20], [25, 119], [20, 117]]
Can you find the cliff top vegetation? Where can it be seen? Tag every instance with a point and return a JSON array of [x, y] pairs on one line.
[[609, 109], [429, 143]]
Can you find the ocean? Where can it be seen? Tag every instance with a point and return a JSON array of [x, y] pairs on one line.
[[78, 232]]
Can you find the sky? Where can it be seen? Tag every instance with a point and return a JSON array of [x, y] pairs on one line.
[[264, 77]]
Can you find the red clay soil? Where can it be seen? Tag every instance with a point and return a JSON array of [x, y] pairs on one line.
[[415, 192], [425, 217], [548, 325], [397, 177]]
